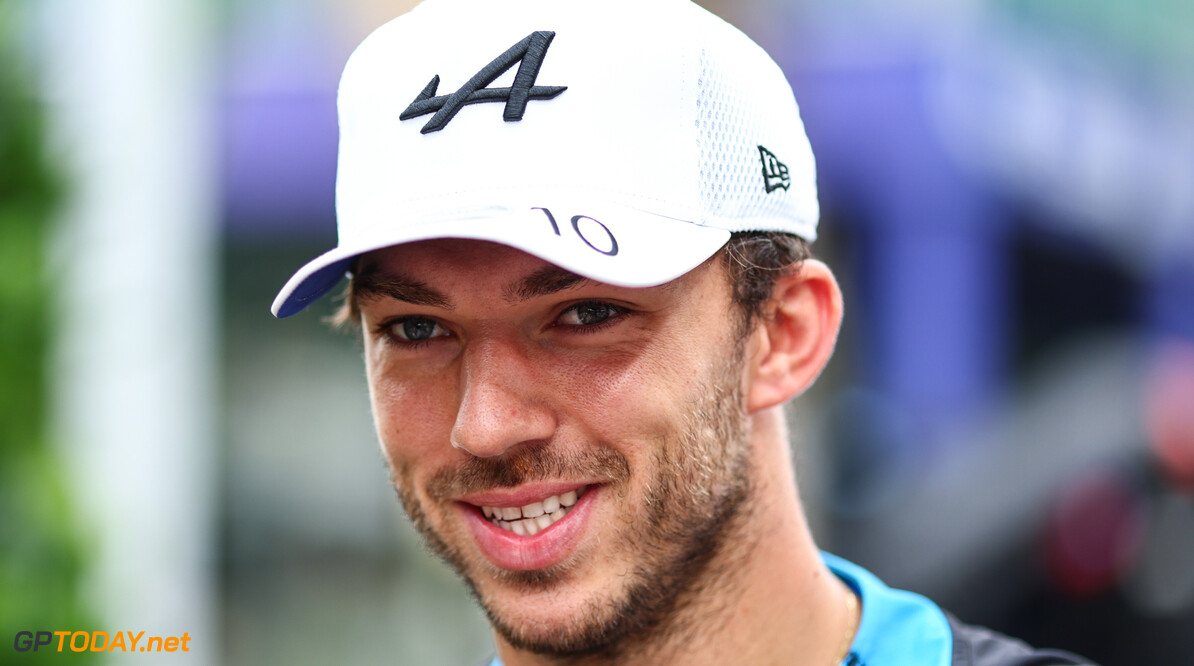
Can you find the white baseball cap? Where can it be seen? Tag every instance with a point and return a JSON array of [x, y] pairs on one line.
[[623, 140]]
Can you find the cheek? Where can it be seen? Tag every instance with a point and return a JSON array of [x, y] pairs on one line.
[[644, 394], [628, 397], [413, 418]]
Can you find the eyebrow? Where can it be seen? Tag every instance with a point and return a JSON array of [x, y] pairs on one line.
[[543, 282], [399, 287]]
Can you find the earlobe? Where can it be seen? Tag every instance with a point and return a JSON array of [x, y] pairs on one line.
[[800, 328]]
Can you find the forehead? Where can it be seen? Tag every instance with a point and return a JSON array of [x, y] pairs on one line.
[[426, 271], [447, 257]]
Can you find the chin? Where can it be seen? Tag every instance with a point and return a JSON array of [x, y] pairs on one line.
[[551, 611], [569, 631]]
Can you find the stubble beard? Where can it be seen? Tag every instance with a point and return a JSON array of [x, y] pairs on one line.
[[691, 540]]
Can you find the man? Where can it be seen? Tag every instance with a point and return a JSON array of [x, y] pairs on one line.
[[577, 239]]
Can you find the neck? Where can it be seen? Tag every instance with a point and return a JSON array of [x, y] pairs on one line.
[[768, 599]]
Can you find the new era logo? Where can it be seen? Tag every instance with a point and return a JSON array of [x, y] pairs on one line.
[[775, 173]]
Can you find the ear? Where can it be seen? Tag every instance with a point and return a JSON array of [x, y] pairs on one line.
[[795, 336]]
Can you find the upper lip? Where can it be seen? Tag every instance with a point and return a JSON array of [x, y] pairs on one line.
[[522, 495]]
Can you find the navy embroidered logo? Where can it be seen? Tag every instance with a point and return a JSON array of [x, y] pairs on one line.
[[528, 53], [775, 173]]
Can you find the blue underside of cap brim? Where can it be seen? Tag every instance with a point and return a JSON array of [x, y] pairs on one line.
[[311, 289]]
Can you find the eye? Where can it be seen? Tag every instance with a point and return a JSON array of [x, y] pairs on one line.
[[417, 329], [589, 313]]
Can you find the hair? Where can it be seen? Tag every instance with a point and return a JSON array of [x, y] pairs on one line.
[[754, 261]]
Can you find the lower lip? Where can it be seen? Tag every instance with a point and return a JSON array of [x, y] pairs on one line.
[[525, 553]]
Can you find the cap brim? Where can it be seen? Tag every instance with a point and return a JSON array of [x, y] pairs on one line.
[[617, 245]]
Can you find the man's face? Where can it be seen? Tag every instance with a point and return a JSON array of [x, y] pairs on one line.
[[578, 452]]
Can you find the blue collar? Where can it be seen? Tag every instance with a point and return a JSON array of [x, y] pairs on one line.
[[898, 628]]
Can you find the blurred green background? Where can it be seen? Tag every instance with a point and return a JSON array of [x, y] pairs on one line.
[[44, 545]]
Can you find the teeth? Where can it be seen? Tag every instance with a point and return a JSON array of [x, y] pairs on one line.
[[532, 510], [534, 517]]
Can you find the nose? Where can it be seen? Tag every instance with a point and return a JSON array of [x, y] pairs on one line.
[[502, 404]]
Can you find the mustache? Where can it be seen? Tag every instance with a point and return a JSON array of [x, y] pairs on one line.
[[530, 463]]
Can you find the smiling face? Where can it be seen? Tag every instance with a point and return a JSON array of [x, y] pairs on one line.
[[578, 452]]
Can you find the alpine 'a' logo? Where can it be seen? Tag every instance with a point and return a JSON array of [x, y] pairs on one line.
[[528, 53], [775, 173]]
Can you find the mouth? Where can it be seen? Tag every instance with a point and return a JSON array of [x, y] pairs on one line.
[[533, 526], [530, 519]]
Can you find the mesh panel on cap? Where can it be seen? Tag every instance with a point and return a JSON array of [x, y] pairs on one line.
[[731, 125]]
